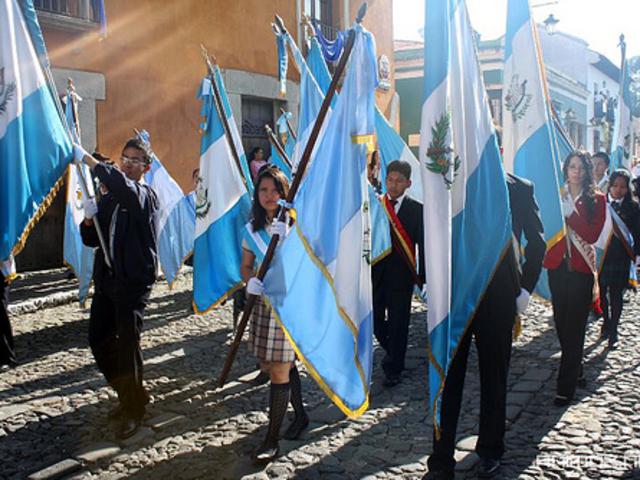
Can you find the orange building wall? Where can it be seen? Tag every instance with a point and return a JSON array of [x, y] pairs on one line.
[[152, 64]]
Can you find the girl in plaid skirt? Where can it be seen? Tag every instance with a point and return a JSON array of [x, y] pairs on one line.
[[268, 342]]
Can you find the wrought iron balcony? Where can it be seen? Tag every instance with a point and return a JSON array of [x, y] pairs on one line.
[[72, 15]]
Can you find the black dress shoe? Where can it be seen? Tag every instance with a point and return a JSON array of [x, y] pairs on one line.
[[295, 429], [438, 475], [266, 453], [561, 401], [116, 413], [128, 427], [489, 468]]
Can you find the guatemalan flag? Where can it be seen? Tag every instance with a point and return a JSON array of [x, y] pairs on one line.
[[531, 148], [76, 254], [622, 127], [380, 233], [390, 145], [319, 283], [311, 97], [466, 205], [223, 204], [35, 148], [176, 223]]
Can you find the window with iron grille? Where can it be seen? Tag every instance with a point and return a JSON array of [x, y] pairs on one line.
[[256, 113], [322, 11], [85, 9]]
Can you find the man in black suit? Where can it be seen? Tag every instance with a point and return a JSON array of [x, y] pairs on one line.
[[396, 274], [507, 295]]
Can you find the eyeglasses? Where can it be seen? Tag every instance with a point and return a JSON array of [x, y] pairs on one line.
[[131, 160]]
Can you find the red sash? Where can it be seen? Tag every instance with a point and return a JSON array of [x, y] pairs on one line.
[[400, 239]]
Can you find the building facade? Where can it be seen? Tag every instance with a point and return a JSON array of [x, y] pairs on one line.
[[583, 86], [146, 71]]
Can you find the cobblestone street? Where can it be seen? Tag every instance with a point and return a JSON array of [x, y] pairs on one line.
[[53, 407]]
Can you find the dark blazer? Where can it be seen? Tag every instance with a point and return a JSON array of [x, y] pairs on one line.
[[392, 271], [629, 212], [134, 254], [525, 219]]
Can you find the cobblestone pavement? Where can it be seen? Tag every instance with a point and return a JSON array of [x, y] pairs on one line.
[[53, 407]]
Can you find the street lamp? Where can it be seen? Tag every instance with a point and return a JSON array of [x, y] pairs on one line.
[[550, 24]]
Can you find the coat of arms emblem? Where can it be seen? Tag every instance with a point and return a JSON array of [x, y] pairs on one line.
[[442, 158], [517, 100], [202, 199], [7, 90]]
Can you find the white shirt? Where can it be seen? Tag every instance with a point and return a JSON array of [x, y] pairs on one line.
[[399, 200]]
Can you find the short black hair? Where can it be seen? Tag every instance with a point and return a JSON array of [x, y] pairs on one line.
[[603, 156], [400, 166], [141, 145]]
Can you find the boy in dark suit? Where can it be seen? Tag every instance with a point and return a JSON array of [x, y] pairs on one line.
[[508, 294], [396, 274]]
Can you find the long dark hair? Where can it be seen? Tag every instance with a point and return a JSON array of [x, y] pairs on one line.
[[254, 152], [259, 214], [588, 185], [622, 173]]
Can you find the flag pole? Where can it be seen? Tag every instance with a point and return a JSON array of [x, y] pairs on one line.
[[222, 114], [306, 157], [292, 132], [273, 139], [71, 97]]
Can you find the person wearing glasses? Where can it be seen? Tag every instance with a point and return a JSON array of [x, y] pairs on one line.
[[126, 214]]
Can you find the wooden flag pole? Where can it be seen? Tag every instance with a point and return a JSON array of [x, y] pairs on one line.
[[273, 139], [217, 97], [83, 181], [306, 157], [292, 132]]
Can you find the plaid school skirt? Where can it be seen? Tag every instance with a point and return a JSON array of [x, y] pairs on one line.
[[266, 338]]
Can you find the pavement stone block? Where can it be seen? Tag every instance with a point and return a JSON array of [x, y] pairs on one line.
[[97, 451], [57, 470]]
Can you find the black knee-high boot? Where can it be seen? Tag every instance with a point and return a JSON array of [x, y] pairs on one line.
[[278, 402], [301, 420]]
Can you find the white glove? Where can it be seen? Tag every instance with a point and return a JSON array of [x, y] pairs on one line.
[[90, 207], [279, 228], [79, 153], [522, 302], [567, 206], [255, 286]]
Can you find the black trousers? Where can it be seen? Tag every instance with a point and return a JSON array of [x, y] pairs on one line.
[[115, 326], [571, 297], [391, 315], [492, 328], [611, 301], [7, 354]]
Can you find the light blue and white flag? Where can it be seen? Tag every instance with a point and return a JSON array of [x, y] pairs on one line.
[[311, 97], [380, 234], [319, 283], [530, 145], [390, 145], [622, 126], [34, 145], [223, 204], [76, 254], [176, 222], [287, 141], [466, 205]]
